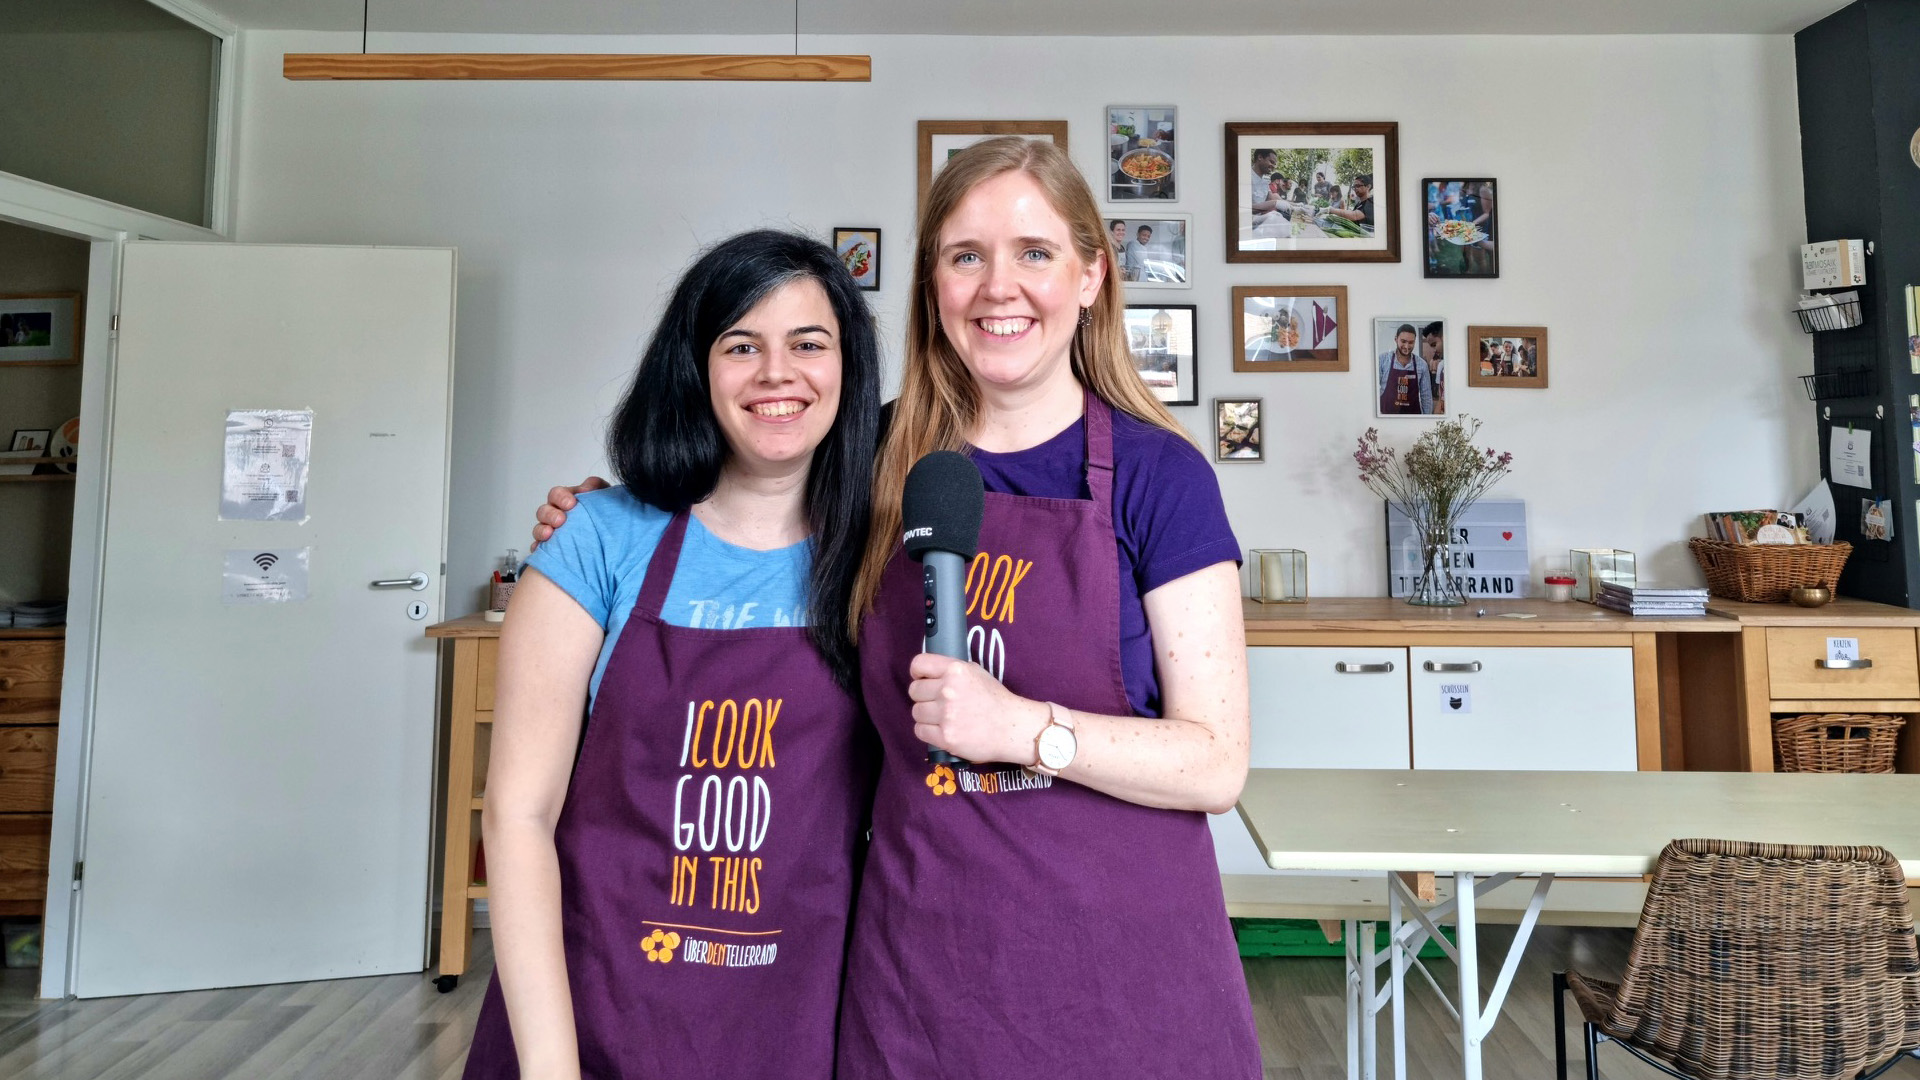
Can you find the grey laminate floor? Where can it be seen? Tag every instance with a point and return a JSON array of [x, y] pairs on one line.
[[399, 1028]]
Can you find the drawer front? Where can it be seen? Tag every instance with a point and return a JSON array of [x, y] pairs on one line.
[[26, 769], [489, 660], [1794, 670], [1546, 707], [31, 669], [1309, 713], [23, 857]]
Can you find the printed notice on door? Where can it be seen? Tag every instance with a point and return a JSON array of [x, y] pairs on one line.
[[265, 577], [264, 477]]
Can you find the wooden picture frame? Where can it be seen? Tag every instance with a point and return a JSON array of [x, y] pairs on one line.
[[40, 329], [1474, 253], [952, 135], [859, 248], [1294, 330], [1232, 417], [1528, 342], [1324, 155], [1166, 355]]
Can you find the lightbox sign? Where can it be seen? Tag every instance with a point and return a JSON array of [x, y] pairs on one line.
[[1490, 557]]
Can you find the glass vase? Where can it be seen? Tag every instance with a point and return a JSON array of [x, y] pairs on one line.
[[1437, 586]]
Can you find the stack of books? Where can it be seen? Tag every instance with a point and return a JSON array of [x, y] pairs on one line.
[[34, 615], [1648, 600]]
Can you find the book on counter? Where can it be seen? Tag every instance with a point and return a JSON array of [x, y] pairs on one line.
[[33, 615], [1651, 599]]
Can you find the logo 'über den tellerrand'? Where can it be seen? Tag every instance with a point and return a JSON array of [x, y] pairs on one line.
[[660, 944]]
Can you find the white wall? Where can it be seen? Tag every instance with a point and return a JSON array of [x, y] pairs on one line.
[[1650, 211]]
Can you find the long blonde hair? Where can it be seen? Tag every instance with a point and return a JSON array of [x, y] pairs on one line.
[[939, 401]]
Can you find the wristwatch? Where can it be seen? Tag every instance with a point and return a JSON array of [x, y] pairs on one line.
[[1056, 744]]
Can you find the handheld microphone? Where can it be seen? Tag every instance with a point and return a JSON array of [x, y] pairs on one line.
[[941, 510]]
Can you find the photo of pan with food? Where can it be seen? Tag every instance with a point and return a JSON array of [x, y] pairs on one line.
[[1140, 145]]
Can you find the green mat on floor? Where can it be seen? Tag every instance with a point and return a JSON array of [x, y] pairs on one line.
[[1302, 937]]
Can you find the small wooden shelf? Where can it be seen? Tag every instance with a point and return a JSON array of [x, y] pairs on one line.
[[476, 892], [479, 803]]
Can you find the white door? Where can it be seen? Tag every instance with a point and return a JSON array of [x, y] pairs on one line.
[[259, 789], [1523, 708], [1317, 708]]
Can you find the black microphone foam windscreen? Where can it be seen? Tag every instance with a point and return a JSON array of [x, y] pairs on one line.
[[942, 505]]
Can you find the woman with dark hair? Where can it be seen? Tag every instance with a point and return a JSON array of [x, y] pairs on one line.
[[672, 899]]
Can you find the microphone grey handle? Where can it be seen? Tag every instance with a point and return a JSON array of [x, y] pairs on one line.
[[944, 577]]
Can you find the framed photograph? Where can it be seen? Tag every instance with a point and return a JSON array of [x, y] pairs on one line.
[[1161, 337], [941, 139], [1289, 328], [1460, 223], [1410, 366], [35, 440], [40, 328], [1511, 357], [1313, 192], [1141, 159], [860, 250], [1236, 430], [1151, 253]]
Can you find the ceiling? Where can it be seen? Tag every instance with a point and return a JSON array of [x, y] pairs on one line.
[[1141, 18]]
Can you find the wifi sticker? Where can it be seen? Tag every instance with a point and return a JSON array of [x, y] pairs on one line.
[[251, 576]]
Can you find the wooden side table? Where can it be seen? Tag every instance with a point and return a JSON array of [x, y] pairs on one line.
[[475, 647]]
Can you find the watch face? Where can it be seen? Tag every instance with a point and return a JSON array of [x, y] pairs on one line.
[[1056, 747]]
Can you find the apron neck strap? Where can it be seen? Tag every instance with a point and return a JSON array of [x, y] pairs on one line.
[[666, 556], [1099, 449]]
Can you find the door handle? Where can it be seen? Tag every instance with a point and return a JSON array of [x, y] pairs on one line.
[[1347, 668], [1843, 665], [416, 581], [1434, 665]]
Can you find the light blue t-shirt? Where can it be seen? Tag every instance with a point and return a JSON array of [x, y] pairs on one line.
[[599, 557]]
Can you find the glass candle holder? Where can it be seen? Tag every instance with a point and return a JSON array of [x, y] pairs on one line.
[[1279, 575], [1593, 566]]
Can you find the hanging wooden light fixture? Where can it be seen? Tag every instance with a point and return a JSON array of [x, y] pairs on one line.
[[617, 66]]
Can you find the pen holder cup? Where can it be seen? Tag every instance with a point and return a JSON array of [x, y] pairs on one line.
[[502, 592]]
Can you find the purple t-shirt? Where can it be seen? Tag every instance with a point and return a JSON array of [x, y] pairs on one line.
[[1167, 515]]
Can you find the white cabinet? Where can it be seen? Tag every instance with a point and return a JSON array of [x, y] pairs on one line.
[[1543, 707], [1522, 708], [1318, 708]]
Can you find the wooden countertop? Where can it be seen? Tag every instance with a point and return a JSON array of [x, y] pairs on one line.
[[1379, 613], [1841, 611], [466, 626], [37, 633]]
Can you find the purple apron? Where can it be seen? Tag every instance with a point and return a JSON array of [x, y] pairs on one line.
[[706, 851], [1012, 925], [1401, 394]]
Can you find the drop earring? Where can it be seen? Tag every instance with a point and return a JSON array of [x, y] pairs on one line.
[[1086, 317]]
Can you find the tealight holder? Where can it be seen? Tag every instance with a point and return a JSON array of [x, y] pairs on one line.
[[1594, 566], [1279, 575]]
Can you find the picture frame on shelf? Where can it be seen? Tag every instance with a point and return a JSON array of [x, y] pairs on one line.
[[859, 249], [1152, 252], [1312, 192], [39, 439], [40, 328], [1507, 357], [1142, 157], [1162, 338], [1289, 328], [1238, 430], [1460, 227], [941, 139], [1410, 376]]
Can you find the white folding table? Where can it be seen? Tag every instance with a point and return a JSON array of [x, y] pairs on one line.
[[1485, 829]]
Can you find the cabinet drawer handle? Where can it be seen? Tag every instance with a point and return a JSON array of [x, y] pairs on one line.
[[1843, 665], [1348, 668], [1434, 665]]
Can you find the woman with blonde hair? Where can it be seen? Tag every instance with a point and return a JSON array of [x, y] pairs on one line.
[[1053, 908]]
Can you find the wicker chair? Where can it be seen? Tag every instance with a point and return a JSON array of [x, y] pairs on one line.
[[1760, 961]]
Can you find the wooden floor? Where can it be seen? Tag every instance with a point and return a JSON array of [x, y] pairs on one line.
[[399, 1028]]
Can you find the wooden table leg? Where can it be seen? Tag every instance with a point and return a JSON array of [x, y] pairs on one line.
[[456, 910]]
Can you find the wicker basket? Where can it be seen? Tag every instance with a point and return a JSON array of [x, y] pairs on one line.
[[1836, 742], [1765, 572]]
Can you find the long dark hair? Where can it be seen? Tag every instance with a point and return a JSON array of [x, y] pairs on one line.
[[665, 443]]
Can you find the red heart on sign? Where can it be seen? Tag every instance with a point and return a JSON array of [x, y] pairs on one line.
[[1506, 536]]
